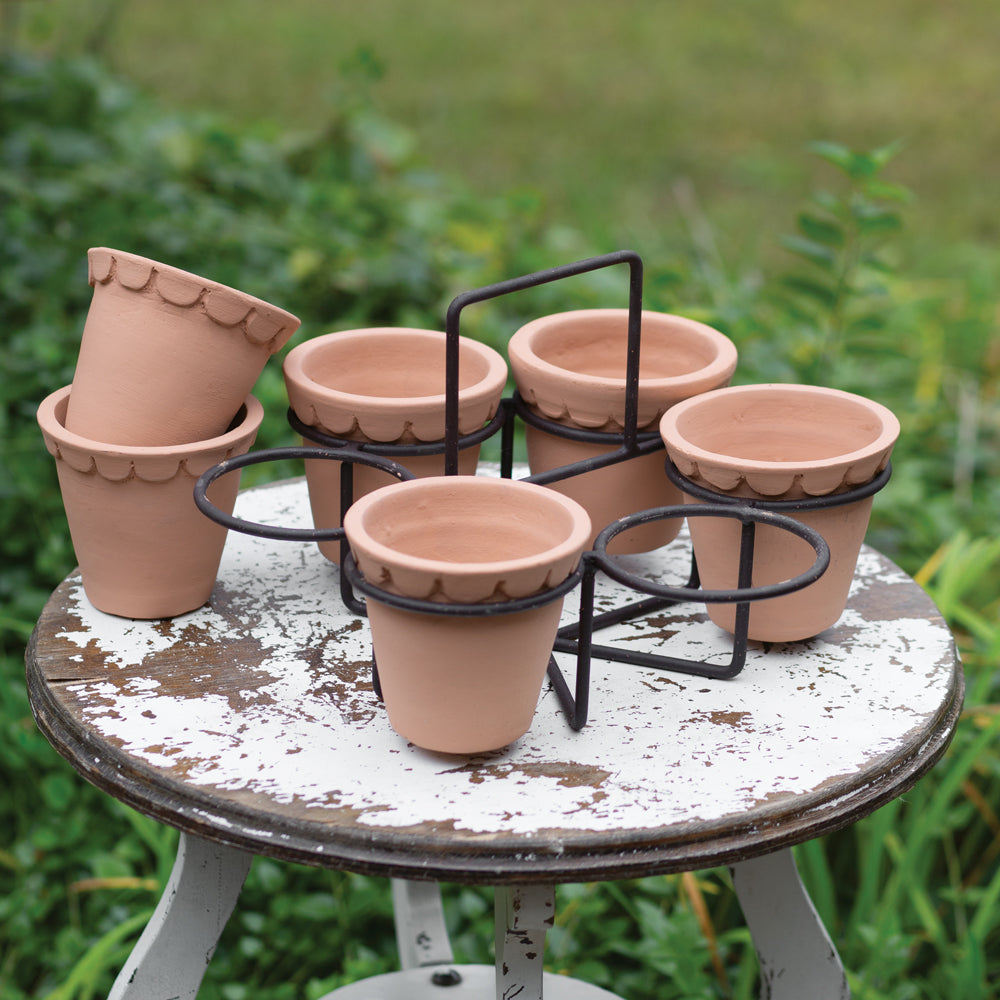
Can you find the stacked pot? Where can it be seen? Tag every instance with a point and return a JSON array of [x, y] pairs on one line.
[[161, 392]]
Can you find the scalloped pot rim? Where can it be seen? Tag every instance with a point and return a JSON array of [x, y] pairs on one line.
[[104, 264], [51, 416], [397, 494], [298, 358], [678, 444], [722, 365]]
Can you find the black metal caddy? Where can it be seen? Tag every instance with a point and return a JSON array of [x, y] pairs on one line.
[[576, 638]]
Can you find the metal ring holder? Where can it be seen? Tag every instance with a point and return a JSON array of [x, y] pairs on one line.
[[575, 638]]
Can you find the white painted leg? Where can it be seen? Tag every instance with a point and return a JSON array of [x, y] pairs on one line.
[[797, 957], [523, 915], [421, 934], [170, 958]]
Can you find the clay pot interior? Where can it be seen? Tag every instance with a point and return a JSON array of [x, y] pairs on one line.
[[386, 385], [781, 443], [464, 685], [144, 548], [166, 357], [571, 367], [466, 538]]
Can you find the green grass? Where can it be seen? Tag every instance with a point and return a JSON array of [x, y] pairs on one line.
[[622, 115]]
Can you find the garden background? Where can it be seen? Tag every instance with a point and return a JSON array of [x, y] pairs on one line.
[[817, 180]]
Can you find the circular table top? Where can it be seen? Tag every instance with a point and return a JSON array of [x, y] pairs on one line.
[[252, 722]]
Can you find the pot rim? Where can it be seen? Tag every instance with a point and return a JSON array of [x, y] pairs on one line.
[[407, 493], [678, 444], [494, 379], [521, 346], [51, 424], [189, 288]]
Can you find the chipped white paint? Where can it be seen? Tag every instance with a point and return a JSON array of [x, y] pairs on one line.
[[661, 748]]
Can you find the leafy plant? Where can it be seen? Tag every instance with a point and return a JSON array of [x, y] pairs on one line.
[[841, 299], [346, 228]]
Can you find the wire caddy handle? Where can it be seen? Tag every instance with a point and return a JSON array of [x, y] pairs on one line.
[[576, 638]]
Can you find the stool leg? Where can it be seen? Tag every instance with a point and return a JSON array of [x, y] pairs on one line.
[[523, 915], [797, 957], [170, 958], [421, 934]]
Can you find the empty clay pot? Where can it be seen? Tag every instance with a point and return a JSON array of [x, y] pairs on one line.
[[386, 385], [570, 367], [464, 684], [783, 443], [144, 548], [166, 357]]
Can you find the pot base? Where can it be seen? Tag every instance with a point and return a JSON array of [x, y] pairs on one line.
[[478, 679]]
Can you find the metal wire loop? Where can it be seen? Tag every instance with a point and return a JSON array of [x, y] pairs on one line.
[[699, 492], [349, 455], [748, 516]]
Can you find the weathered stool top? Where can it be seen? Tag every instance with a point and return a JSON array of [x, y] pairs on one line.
[[253, 722]]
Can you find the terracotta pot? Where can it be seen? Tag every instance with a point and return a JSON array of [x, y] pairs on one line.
[[783, 443], [144, 548], [464, 684], [386, 385], [570, 368], [166, 357]]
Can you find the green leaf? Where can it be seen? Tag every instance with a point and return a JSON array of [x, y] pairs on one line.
[[833, 152], [812, 251], [823, 294], [876, 221], [820, 230]]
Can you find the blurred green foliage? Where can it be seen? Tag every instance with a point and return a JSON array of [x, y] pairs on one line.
[[345, 228]]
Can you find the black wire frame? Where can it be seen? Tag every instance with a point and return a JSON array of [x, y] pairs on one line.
[[575, 638]]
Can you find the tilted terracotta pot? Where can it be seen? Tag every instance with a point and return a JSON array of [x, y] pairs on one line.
[[166, 357], [784, 443], [464, 685], [570, 367], [144, 548], [386, 384]]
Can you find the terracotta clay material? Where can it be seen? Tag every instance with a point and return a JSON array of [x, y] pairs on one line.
[[570, 367], [455, 684], [166, 357], [781, 442], [386, 384], [144, 548]]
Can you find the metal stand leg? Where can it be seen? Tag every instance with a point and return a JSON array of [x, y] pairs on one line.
[[170, 958], [523, 915], [797, 957], [421, 935]]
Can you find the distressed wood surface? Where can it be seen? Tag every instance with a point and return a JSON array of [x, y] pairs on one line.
[[252, 722]]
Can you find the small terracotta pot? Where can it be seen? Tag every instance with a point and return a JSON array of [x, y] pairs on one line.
[[166, 357], [386, 385], [570, 367], [464, 684], [144, 548], [784, 443]]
